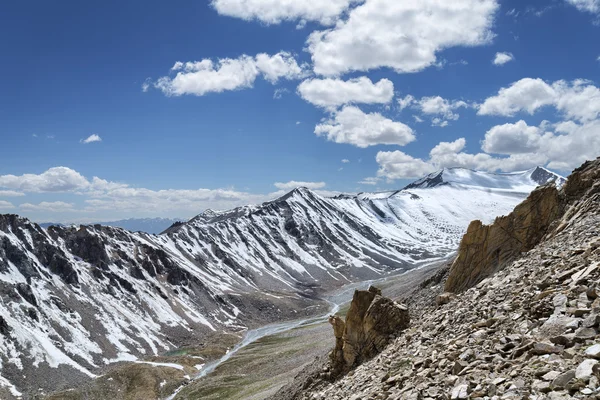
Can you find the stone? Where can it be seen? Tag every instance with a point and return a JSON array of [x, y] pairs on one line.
[[561, 381], [540, 348], [550, 376], [460, 392], [541, 386], [585, 370], [444, 298], [583, 334], [593, 351]]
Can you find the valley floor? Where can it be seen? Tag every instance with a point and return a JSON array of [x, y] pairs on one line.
[[255, 372]]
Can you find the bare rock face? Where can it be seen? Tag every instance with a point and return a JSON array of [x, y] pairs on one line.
[[370, 323], [485, 249]]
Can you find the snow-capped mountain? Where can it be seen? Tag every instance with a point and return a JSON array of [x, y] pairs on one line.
[[76, 298], [147, 225]]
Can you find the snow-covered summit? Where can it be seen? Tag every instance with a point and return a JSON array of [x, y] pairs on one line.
[[522, 180]]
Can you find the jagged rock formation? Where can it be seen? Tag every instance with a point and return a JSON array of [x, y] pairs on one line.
[[370, 323], [531, 330], [486, 248]]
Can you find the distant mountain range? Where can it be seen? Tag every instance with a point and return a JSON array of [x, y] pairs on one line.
[[148, 225], [76, 298]]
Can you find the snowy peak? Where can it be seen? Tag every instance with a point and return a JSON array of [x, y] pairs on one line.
[[522, 181], [542, 176]]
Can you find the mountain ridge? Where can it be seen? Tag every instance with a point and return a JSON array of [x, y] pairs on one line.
[[224, 271]]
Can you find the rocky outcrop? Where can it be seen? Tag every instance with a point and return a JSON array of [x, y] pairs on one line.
[[371, 322], [485, 249]]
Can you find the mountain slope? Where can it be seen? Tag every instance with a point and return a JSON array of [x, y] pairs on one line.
[[527, 330], [74, 299]]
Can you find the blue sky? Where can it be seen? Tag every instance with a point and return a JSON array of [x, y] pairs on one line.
[[280, 92]]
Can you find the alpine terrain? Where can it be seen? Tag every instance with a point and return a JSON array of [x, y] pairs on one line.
[[76, 301], [515, 316]]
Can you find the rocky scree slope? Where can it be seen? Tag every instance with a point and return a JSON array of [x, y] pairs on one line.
[[530, 330], [75, 299]]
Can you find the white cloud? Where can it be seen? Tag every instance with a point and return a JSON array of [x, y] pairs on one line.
[[372, 180], [439, 122], [54, 206], [503, 58], [402, 35], [331, 93], [282, 65], [5, 205], [279, 92], [353, 126], [592, 6], [418, 119], [524, 95], [11, 193], [579, 99], [434, 105], [276, 11], [207, 76], [399, 165], [437, 105], [91, 139], [566, 127], [57, 179], [512, 139], [406, 101], [527, 146], [295, 184], [345, 161]]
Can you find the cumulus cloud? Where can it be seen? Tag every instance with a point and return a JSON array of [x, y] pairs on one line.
[[402, 35], [592, 6], [526, 146], [503, 58], [345, 161], [56, 179], [526, 94], [91, 139], [116, 200], [399, 165], [352, 126], [512, 139], [208, 76], [295, 184], [5, 205], [331, 93], [579, 99], [276, 11]]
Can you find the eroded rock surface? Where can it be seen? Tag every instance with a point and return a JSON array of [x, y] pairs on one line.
[[371, 322], [486, 248]]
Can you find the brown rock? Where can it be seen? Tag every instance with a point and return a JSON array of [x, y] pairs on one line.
[[486, 248], [371, 320]]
